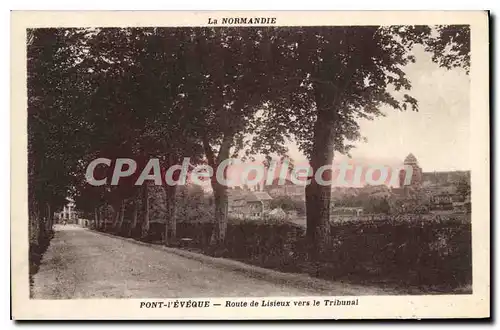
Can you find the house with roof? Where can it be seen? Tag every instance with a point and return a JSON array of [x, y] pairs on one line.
[[68, 214], [244, 203], [443, 198]]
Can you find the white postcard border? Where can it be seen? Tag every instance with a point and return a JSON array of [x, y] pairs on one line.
[[430, 306]]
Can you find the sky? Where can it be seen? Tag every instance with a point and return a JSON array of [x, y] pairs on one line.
[[438, 134]]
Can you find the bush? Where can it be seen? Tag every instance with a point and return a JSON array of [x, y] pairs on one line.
[[37, 248], [287, 204], [426, 253], [155, 233], [406, 252]]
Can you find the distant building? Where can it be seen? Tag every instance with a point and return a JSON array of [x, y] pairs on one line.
[[288, 188], [68, 214], [437, 190], [442, 197], [444, 177], [354, 211], [248, 203], [416, 175], [441, 202]]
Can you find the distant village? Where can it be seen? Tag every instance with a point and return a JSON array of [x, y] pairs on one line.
[[440, 193], [428, 193]]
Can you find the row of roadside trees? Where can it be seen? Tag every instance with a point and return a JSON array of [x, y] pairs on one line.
[[203, 93]]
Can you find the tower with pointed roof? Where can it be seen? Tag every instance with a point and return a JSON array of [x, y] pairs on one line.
[[416, 175]]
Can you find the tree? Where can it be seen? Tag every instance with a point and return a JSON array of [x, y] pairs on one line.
[[112, 115], [328, 78], [136, 77], [170, 132], [463, 188], [170, 93], [450, 46], [193, 205], [376, 205], [52, 159], [226, 83]]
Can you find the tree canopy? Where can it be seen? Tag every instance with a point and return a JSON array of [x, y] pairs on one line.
[[208, 93]]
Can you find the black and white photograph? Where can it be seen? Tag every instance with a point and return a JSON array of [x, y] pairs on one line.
[[295, 166]]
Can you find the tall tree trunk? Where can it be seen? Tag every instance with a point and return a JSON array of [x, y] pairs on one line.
[[318, 218], [318, 196], [106, 208], [32, 220], [145, 213], [220, 191], [117, 210], [49, 220], [40, 225], [121, 217], [98, 223], [45, 218], [221, 208], [96, 219], [170, 236], [101, 218], [134, 217]]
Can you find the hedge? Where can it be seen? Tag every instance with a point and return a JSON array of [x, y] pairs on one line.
[[422, 253]]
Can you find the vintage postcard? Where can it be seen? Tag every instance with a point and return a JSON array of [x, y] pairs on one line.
[[250, 165]]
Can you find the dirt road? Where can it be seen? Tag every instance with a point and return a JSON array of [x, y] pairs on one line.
[[84, 264]]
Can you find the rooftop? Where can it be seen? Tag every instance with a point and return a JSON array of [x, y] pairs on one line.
[[411, 159], [258, 196]]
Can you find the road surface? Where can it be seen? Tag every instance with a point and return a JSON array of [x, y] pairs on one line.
[[80, 263], [84, 264]]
